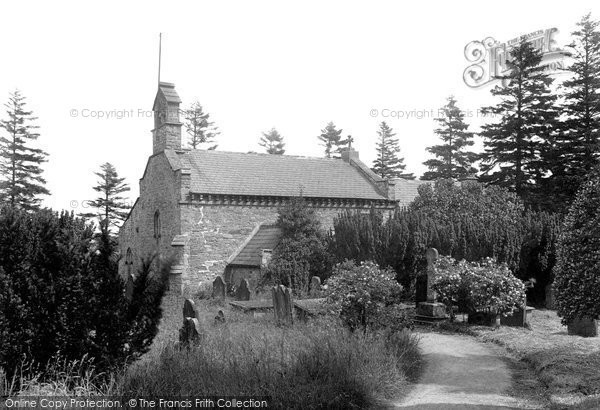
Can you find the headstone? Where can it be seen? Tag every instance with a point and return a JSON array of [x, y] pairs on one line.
[[189, 309], [190, 333], [282, 304], [218, 288], [129, 287], [431, 255], [583, 326], [429, 310], [550, 301], [517, 319], [243, 291], [220, 318], [315, 285]]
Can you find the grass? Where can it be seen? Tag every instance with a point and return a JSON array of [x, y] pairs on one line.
[[318, 364], [314, 364], [567, 365]]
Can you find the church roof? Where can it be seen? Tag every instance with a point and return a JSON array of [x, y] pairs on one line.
[[407, 190], [266, 237], [235, 173]]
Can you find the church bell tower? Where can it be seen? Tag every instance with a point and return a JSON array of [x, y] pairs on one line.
[[167, 127]]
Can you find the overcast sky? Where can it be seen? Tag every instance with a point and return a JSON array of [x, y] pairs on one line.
[[253, 65]]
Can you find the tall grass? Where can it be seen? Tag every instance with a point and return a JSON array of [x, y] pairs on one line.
[[319, 364]]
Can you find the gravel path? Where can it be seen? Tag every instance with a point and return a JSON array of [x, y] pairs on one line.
[[461, 373]]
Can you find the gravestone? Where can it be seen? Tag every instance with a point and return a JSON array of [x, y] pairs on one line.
[[282, 304], [190, 333], [218, 290], [242, 292], [517, 318], [583, 326], [189, 309], [220, 318], [129, 287], [315, 285], [550, 301], [430, 310]]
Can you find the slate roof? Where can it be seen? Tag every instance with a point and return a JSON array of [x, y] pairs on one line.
[[266, 237], [168, 90], [236, 173], [407, 190]]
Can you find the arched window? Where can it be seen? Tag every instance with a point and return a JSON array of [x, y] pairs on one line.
[[129, 261], [157, 225]]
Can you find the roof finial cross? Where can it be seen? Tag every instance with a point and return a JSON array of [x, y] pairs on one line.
[[350, 141]]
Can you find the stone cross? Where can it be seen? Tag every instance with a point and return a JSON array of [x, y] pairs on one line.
[[189, 310], [218, 290], [431, 255], [243, 291], [282, 305]]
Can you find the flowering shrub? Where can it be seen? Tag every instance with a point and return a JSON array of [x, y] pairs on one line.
[[365, 296], [484, 286]]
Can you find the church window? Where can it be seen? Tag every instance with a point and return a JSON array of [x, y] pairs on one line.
[[157, 225]]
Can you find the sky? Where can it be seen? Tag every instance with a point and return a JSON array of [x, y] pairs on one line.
[[89, 72]]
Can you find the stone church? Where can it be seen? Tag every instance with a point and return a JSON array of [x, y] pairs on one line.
[[198, 208]]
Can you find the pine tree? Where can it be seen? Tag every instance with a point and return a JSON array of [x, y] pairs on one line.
[[199, 127], [578, 144], [112, 208], [21, 180], [515, 144], [331, 139], [273, 142], [388, 164], [452, 161]]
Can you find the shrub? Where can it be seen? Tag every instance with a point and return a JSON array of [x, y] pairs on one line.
[[60, 292], [302, 252], [577, 270], [466, 222], [365, 296], [478, 286]]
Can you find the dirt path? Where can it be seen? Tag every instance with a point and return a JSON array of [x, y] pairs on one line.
[[461, 373]]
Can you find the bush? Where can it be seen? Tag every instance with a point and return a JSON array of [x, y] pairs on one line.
[[61, 295], [577, 270], [478, 286], [302, 252], [365, 296], [466, 222], [315, 365]]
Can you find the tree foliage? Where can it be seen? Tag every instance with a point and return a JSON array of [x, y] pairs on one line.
[[577, 147], [21, 181], [272, 141], [302, 252], [577, 270], [515, 145], [61, 294], [388, 163], [451, 159], [463, 221], [201, 130], [112, 208], [331, 139]]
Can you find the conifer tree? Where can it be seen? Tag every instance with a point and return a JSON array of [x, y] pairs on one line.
[[21, 181], [577, 148], [515, 144], [452, 160], [388, 163], [111, 206], [331, 139], [273, 142], [200, 129]]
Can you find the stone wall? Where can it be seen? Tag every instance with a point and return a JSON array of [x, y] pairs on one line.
[[158, 192], [216, 231]]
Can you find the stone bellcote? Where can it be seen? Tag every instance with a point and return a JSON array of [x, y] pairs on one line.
[[167, 127]]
